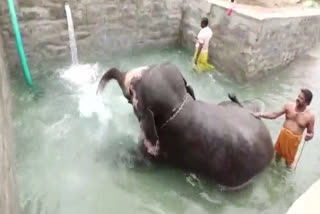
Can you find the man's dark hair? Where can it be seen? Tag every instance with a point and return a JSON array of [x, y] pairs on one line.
[[204, 22], [307, 95]]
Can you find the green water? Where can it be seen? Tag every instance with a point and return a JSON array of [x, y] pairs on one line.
[[73, 148]]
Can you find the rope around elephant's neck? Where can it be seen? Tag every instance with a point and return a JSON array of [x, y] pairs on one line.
[[177, 112]]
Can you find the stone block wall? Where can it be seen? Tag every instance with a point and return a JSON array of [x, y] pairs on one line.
[[101, 26], [230, 42], [281, 40], [247, 45], [8, 194]]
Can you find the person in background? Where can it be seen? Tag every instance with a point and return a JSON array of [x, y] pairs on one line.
[[200, 59], [298, 117]]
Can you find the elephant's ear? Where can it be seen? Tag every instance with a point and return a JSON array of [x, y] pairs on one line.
[[189, 89]]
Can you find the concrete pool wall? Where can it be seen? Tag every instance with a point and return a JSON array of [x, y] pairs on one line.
[[100, 26], [308, 202], [251, 42], [8, 193]]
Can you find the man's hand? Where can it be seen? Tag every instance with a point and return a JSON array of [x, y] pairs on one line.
[[310, 129], [257, 114], [271, 115], [198, 52], [293, 165], [308, 137]]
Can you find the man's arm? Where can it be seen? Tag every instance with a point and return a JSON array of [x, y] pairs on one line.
[[271, 115], [199, 50], [310, 129]]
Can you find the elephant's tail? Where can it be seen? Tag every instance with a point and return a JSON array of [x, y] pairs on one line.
[[251, 105], [112, 73], [234, 99]]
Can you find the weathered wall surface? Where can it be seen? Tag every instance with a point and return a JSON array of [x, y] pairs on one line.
[[100, 26], [8, 194], [248, 45]]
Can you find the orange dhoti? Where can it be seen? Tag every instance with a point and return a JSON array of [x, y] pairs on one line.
[[287, 145]]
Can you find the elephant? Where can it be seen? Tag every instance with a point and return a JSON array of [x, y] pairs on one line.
[[222, 141], [128, 83]]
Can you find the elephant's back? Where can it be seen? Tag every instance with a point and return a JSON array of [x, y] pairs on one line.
[[228, 121], [233, 137]]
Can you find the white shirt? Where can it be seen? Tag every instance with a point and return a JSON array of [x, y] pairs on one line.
[[204, 37]]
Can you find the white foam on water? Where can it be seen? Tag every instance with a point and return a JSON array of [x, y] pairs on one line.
[[90, 104], [80, 74], [83, 78]]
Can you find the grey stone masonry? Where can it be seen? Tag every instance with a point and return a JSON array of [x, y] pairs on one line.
[[252, 41], [8, 193], [100, 26]]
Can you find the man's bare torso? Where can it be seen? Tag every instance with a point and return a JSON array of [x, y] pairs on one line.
[[296, 121]]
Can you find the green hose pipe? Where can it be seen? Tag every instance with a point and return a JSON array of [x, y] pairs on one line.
[[19, 44]]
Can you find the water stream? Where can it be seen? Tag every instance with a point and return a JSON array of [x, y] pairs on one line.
[[72, 38]]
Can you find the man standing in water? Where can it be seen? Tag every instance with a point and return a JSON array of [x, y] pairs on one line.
[[298, 118], [200, 59]]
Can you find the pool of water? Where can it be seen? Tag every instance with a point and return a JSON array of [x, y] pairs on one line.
[[74, 148]]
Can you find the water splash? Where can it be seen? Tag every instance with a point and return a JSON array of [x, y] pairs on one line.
[[83, 78], [72, 39], [80, 74]]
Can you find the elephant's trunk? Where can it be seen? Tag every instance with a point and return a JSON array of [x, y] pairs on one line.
[[112, 73]]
